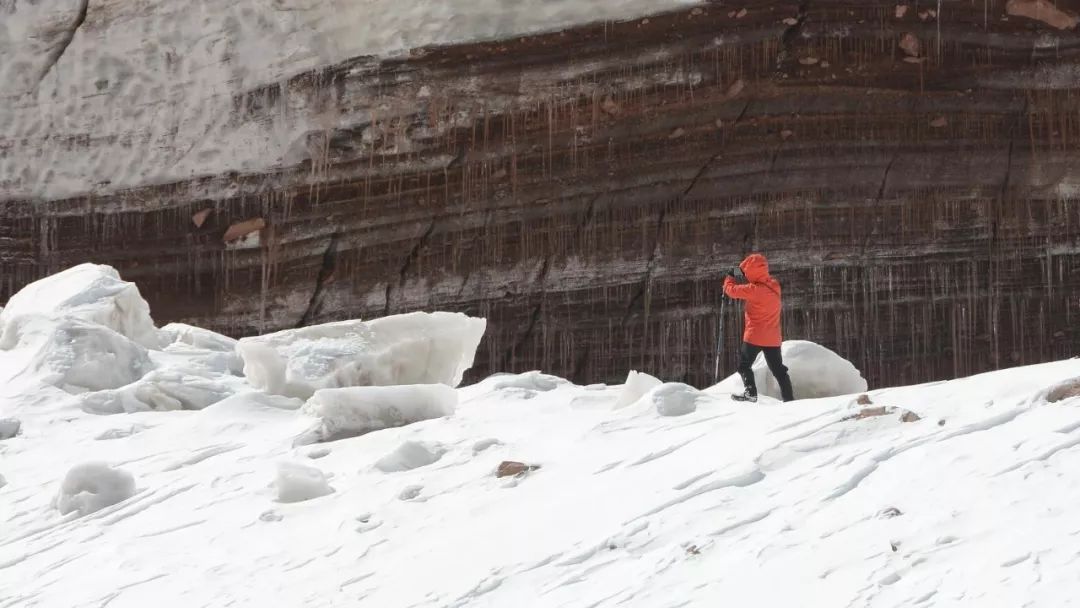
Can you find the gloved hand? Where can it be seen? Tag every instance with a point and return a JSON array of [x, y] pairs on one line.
[[731, 273]]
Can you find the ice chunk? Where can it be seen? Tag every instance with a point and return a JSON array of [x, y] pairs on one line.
[[75, 355], [815, 372], [181, 333], [90, 292], [410, 455], [636, 386], [202, 347], [9, 427], [160, 390], [414, 348], [93, 486], [348, 412], [675, 399], [533, 381], [297, 482]]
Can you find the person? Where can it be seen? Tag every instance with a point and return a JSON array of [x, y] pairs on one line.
[[762, 296]]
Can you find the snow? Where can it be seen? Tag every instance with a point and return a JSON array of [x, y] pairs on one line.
[[88, 292], [636, 386], [296, 482], [675, 399], [159, 390], [815, 372], [413, 348], [74, 355], [973, 504], [92, 486], [349, 412], [157, 82], [9, 427], [410, 455]]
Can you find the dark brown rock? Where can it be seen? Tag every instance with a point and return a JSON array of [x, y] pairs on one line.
[[510, 468], [535, 184]]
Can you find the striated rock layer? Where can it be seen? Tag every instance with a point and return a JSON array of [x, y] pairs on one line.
[[910, 170]]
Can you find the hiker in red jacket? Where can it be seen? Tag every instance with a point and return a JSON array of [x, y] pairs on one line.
[[762, 319]]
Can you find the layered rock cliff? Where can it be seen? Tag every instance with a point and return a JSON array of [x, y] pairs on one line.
[[909, 168]]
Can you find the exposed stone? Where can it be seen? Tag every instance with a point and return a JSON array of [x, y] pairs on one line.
[[873, 412], [1042, 10], [1063, 391], [863, 400], [199, 218], [239, 230], [609, 106], [735, 89], [910, 45], [510, 468], [909, 416]]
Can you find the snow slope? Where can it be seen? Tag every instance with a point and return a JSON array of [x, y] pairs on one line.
[[653, 496], [98, 96]]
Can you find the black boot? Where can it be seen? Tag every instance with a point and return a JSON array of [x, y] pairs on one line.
[[746, 397]]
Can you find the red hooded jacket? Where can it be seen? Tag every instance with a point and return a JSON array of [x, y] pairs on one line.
[[762, 296]]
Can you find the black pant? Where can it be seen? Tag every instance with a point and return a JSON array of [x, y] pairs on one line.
[[776, 366]]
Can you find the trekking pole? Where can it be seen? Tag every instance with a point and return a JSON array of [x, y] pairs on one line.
[[719, 339]]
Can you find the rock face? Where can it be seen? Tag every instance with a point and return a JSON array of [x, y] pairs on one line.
[[910, 174]]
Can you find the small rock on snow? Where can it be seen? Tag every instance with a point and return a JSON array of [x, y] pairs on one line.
[[510, 468], [909, 416]]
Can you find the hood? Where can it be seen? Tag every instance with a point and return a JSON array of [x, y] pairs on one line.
[[755, 267]]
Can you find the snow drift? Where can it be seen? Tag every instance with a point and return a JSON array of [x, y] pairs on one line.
[[296, 482], [414, 348], [410, 455], [636, 386], [93, 486], [349, 412]]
